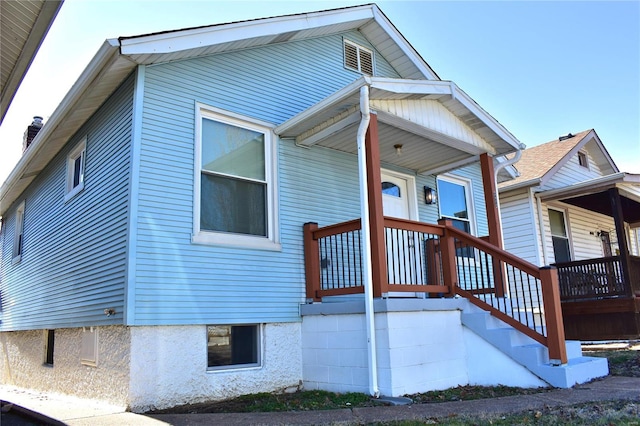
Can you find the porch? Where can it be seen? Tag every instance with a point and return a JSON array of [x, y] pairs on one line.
[[601, 297]]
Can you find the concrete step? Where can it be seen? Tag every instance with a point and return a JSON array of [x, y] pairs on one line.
[[531, 354]]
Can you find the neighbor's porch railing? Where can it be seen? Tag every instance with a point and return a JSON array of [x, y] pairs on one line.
[[599, 278], [439, 260]]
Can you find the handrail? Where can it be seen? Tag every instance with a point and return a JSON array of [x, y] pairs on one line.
[[451, 262]]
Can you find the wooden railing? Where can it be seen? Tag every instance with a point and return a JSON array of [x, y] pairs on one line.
[[440, 260], [592, 279]]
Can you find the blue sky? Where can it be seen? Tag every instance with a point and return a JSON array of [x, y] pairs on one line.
[[542, 69]]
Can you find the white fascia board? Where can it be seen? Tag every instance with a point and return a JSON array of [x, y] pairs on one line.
[[107, 53], [524, 184], [416, 87], [484, 116], [403, 44], [176, 41]]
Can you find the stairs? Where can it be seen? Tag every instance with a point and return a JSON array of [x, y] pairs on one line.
[[531, 354]]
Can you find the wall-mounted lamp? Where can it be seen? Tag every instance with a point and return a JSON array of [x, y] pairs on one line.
[[398, 148], [430, 196]]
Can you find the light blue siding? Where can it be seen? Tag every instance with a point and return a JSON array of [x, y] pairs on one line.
[[73, 263], [178, 282]]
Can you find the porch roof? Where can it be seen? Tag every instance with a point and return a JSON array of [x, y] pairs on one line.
[[592, 195], [438, 125]]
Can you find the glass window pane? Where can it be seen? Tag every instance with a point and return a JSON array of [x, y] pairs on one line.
[[389, 188], [233, 205], [232, 345], [561, 249], [232, 150], [453, 201], [556, 220], [77, 169]]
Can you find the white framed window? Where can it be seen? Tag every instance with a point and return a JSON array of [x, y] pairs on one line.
[[456, 203], [235, 191], [75, 170], [559, 235], [583, 159], [233, 346], [18, 236], [358, 58]]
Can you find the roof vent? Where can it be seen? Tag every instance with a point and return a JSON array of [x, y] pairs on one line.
[[31, 132], [569, 136]]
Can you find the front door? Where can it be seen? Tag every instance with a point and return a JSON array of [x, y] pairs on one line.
[[403, 247]]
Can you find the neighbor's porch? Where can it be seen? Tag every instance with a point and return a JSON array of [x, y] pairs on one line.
[[601, 296]]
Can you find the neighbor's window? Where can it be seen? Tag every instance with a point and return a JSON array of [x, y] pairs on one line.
[[358, 58], [233, 346], [559, 236], [18, 239], [49, 340], [454, 199], [583, 159], [75, 170], [234, 183]]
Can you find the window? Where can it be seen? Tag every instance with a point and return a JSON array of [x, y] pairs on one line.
[[358, 58], [18, 240], [559, 236], [583, 159], [75, 170], [390, 188], [234, 183], [49, 340], [454, 197], [89, 349], [233, 346]]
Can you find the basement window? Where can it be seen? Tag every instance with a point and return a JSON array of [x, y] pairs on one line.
[[49, 340], [233, 346], [358, 58]]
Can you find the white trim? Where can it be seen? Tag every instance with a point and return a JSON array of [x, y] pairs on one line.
[[79, 151], [272, 240], [18, 235], [134, 189]]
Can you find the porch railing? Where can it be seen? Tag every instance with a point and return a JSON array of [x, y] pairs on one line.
[[440, 260], [592, 279]]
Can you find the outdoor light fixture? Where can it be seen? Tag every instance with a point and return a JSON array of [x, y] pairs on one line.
[[430, 196], [398, 148]]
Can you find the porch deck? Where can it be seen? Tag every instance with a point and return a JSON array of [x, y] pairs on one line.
[[601, 298], [424, 260]]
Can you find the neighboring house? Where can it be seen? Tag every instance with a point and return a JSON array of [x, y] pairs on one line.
[[572, 208], [202, 214], [24, 27]]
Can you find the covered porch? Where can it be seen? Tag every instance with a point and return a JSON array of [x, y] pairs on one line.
[[379, 257], [601, 296]]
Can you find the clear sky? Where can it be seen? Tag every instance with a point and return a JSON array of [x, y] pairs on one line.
[[542, 69]]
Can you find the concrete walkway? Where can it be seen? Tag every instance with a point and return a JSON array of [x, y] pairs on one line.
[[76, 412]]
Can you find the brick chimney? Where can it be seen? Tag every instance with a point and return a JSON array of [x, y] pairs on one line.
[[31, 132]]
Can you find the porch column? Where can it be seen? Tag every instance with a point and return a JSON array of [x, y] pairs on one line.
[[618, 218], [376, 216], [493, 216]]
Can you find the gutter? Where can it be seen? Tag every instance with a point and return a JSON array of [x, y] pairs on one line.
[[366, 243]]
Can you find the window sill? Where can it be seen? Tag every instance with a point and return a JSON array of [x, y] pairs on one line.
[[236, 241], [231, 368], [16, 259], [75, 191]]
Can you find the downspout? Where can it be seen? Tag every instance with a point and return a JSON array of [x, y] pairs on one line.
[[366, 243], [499, 167]]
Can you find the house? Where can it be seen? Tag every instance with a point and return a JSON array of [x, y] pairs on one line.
[[24, 27], [572, 207], [202, 217]]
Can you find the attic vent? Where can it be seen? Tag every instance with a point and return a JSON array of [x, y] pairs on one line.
[[563, 138], [358, 58]]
